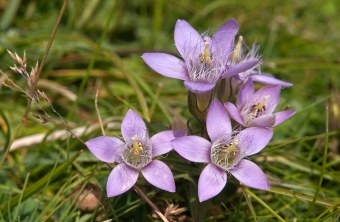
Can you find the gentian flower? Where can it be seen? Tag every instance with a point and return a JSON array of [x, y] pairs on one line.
[[225, 153], [135, 154], [256, 108], [253, 73], [205, 58]]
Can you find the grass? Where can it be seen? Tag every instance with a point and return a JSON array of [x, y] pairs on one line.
[[98, 45]]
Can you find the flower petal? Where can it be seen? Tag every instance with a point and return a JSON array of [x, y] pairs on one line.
[[159, 175], [269, 80], [161, 141], [274, 95], [218, 121], [199, 86], [250, 175], [188, 41], [121, 179], [193, 148], [166, 65], [223, 40], [233, 112], [242, 67], [263, 121], [252, 140], [211, 182], [282, 116], [245, 94], [133, 125], [105, 148]]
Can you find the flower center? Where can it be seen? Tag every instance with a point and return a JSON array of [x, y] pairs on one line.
[[259, 108], [256, 110], [137, 154], [225, 155]]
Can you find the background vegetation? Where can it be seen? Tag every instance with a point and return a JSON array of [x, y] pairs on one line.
[[98, 46]]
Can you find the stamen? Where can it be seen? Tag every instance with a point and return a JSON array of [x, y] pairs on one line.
[[259, 108], [137, 153], [238, 50], [137, 147], [206, 56], [225, 155]]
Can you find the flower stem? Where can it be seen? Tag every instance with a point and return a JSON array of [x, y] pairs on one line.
[[151, 204]]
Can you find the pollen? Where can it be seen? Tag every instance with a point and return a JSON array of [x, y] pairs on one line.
[[238, 50], [259, 108], [137, 147], [206, 56]]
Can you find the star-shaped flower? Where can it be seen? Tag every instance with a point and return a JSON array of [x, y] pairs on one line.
[[205, 58], [135, 154], [225, 153], [256, 108]]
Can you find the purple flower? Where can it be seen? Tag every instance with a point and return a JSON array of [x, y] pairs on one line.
[[205, 59], [256, 108], [135, 154], [225, 153]]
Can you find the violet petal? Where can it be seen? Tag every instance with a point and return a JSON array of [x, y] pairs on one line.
[[233, 112], [223, 39], [218, 121], [252, 140], [269, 80], [192, 148], [267, 120], [121, 179], [283, 116], [250, 175], [133, 125], [159, 175], [242, 67], [188, 41], [161, 141], [199, 86], [105, 148], [211, 182], [166, 65], [245, 94]]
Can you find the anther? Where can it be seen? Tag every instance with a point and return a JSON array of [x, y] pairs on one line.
[[238, 50]]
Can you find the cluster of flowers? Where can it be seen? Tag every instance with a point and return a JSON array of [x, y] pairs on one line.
[[212, 66]]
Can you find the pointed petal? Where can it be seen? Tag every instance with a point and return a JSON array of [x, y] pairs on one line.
[[245, 94], [159, 175], [223, 40], [282, 116], [121, 179], [105, 148], [269, 80], [218, 122], [250, 175], [188, 41], [274, 95], [236, 69], [161, 141], [234, 113], [263, 121], [166, 65], [252, 140], [133, 125], [211, 182], [193, 148], [199, 86]]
